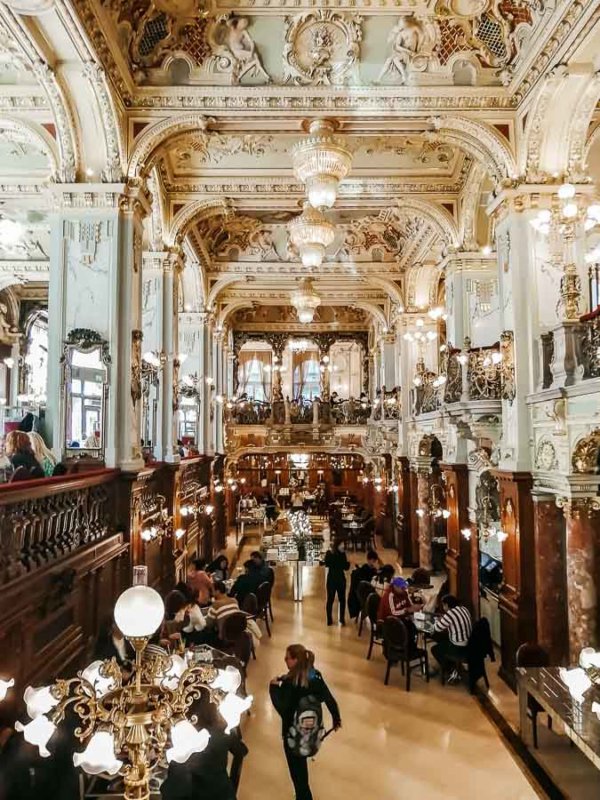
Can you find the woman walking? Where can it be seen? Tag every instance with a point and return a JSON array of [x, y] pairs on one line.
[[337, 564], [297, 697]]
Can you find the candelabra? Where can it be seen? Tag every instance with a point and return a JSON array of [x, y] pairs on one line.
[[436, 506], [568, 210], [128, 720]]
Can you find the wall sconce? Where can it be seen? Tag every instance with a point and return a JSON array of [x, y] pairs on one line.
[[437, 498], [179, 534]]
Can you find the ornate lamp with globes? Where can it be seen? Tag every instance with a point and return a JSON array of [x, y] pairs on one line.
[[131, 724]]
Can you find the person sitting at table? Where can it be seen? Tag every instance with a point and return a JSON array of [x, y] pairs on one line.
[[382, 580], [364, 572], [261, 572], [199, 581], [223, 606], [452, 632], [245, 584], [193, 618], [219, 568], [396, 602]]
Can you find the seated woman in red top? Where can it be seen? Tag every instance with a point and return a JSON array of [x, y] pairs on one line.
[[396, 602]]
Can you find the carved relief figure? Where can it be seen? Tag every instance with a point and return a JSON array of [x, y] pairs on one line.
[[229, 237], [412, 44], [235, 50]]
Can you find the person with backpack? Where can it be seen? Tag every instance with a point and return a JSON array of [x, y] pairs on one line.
[[298, 697]]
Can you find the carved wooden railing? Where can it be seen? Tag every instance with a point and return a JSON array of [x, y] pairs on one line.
[[307, 412], [351, 412], [248, 412], [44, 520], [483, 375], [387, 405], [590, 346]]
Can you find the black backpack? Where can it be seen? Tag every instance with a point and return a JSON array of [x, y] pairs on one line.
[[306, 733]]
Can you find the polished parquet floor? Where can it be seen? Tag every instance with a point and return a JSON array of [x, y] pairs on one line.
[[432, 744]]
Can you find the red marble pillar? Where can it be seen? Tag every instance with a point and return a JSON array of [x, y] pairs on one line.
[[582, 530], [550, 578], [425, 554]]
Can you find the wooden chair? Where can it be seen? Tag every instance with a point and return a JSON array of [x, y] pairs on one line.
[[257, 605], [236, 638], [372, 608], [531, 654], [400, 647], [271, 582], [479, 647], [363, 591]]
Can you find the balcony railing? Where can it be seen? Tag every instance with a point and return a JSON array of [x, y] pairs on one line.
[[305, 412], [571, 353], [470, 375], [388, 405]]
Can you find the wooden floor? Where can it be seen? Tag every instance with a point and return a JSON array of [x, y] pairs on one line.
[[431, 744]]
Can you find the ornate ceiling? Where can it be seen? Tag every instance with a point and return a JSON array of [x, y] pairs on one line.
[[434, 99]]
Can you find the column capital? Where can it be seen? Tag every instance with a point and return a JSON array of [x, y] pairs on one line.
[[576, 507], [131, 197], [524, 197]]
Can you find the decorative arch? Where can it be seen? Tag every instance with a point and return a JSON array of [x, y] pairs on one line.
[[218, 286], [469, 204], [114, 144], [231, 308], [372, 309], [481, 141], [561, 113], [24, 131], [441, 219], [194, 212], [152, 138]]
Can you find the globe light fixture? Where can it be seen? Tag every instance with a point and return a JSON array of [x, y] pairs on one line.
[[306, 301], [139, 612], [99, 755], [320, 162], [311, 233]]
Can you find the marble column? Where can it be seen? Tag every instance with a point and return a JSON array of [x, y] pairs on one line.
[[582, 590], [550, 578], [96, 285], [425, 527], [169, 391], [15, 374]]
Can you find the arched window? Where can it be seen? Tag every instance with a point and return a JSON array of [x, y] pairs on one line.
[[255, 387], [36, 358], [307, 379]]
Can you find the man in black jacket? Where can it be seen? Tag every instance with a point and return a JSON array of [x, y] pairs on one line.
[[337, 564], [366, 572]]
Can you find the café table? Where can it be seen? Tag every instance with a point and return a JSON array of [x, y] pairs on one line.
[[578, 721]]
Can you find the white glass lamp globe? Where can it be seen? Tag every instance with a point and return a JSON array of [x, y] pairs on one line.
[[37, 732], [5, 686], [139, 612], [312, 255], [186, 740], [99, 755], [39, 701], [322, 191], [306, 315]]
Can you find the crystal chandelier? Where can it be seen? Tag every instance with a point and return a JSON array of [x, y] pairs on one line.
[[129, 721], [321, 161], [305, 300], [311, 233]]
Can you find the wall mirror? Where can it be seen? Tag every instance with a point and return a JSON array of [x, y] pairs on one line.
[[86, 362]]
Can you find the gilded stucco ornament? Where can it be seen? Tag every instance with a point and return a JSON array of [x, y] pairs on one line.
[[586, 454], [322, 48]]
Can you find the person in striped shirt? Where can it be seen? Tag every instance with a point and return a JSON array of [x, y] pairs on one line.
[[453, 630], [222, 607]]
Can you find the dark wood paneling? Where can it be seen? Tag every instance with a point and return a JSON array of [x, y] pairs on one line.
[[517, 594], [462, 576]]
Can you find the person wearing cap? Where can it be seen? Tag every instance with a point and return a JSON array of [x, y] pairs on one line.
[[396, 602]]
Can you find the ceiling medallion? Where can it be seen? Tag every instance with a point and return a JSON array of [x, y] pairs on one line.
[[305, 300], [311, 233], [320, 162]]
